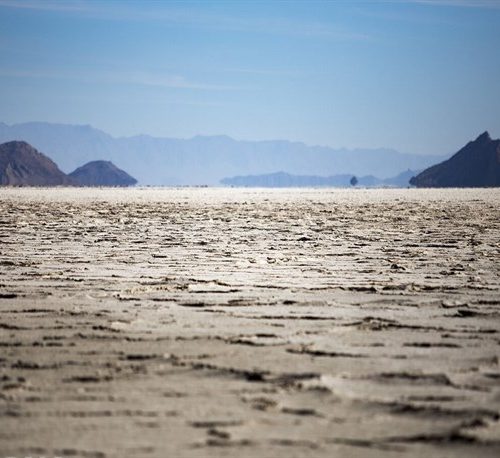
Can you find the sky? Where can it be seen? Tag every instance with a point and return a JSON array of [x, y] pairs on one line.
[[417, 76]]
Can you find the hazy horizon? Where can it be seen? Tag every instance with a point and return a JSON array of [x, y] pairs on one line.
[[222, 135], [206, 160], [416, 76]]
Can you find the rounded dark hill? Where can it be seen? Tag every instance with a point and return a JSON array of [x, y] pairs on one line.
[[101, 173], [477, 164], [23, 165]]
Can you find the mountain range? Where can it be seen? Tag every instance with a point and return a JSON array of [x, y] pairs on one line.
[[284, 180], [205, 160]]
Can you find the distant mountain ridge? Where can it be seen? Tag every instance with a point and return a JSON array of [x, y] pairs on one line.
[[477, 164], [284, 180], [205, 160]]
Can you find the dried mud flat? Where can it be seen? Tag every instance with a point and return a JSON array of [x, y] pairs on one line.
[[276, 323]]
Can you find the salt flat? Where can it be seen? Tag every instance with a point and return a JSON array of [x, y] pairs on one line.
[[224, 322]]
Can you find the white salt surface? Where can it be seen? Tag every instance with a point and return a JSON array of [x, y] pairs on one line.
[[153, 322]]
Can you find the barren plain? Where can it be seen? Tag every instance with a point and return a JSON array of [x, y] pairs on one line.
[[250, 323]]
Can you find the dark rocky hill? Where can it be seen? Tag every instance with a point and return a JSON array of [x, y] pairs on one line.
[[23, 165], [101, 173], [477, 164]]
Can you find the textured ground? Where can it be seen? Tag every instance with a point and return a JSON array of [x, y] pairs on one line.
[[277, 323]]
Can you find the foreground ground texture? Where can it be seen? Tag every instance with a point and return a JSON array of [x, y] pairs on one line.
[[276, 323]]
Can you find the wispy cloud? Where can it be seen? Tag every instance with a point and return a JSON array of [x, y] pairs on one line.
[[482, 4], [264, 72], [190, 16], [48, 5], [426, 13], [166, 81], [119, 77]]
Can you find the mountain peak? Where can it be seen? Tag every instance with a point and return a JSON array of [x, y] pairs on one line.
[[477, 164], [484, 137], [17, 144], [101, 173], [23, 165]]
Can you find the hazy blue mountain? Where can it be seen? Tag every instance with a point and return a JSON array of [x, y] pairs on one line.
[[205, 160], [285, 180], [401, 180]]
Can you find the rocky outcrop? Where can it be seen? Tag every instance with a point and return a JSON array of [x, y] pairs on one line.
[[23, 165], [477, 164], [101, 173]]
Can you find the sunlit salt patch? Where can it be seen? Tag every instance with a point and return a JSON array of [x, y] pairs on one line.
[[368, 390], [258, 340], [119, 325], [447, 304], [213, 196], [211, 287]]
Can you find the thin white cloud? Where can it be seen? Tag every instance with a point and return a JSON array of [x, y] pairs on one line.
[[120, 77], [482, 4], [264, 72], [425, 14], [190, 16], [47, 5], [162, 80]]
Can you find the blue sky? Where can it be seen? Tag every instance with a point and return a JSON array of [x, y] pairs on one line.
[[418, 76]]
